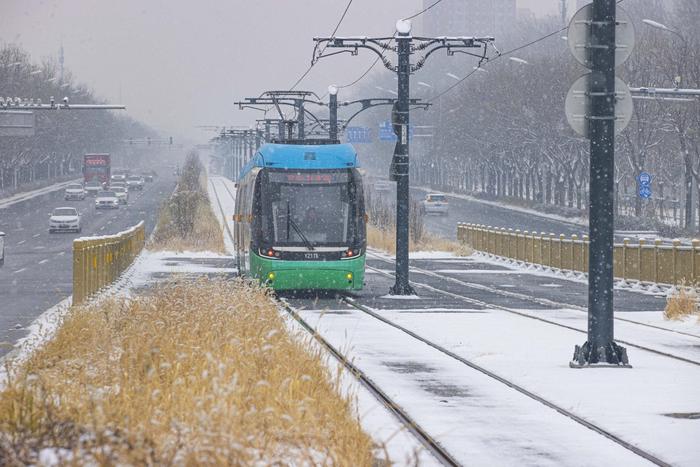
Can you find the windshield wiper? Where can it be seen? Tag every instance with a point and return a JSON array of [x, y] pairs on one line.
[[296, 228], [301, 234]]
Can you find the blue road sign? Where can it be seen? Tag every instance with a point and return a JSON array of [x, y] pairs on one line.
[[644, 191], [386, 131], [644, 178], [358, 134]]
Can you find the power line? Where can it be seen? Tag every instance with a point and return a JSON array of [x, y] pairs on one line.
[[337, 26], [506, 53], [374, 63], [423, 10]]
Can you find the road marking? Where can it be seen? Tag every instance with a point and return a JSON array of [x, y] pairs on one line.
[[39, 247], [43, 261], [19, 243], [19, 270], [62, 253], [36, 235]]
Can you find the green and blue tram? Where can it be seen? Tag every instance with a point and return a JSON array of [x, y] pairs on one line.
[[299, 222]]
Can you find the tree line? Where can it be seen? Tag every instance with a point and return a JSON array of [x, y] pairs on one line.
[[503, 134], [61, 137]]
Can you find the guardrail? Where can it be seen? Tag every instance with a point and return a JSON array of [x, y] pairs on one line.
[[643, 262], [98, 261]]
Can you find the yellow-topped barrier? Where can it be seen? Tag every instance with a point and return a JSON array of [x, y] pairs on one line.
[[98, 261], [644, 262]]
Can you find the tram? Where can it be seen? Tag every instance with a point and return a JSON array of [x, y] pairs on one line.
[[299, 219]]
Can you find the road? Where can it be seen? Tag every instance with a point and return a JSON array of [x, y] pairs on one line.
[[462, 210], [38, 272]]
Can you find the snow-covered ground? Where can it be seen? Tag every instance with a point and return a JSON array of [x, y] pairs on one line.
[[222, 193]]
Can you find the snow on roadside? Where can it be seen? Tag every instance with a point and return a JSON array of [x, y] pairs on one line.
[[19, 197], [41, 330]]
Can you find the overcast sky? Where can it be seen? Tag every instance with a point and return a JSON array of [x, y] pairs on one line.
[[177, 64]]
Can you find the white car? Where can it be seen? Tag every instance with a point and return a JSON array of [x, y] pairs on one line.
[[122, 193], [74, 191], [118, 178], [135, 181], [64, 220], [435, 203], [106, 200], [93, 187]]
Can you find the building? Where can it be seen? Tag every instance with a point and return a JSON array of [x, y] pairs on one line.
[[469, 18]]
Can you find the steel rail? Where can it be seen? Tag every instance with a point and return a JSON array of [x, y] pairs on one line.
[[430, 444], [481, 303], [529, 298], [580, 420]]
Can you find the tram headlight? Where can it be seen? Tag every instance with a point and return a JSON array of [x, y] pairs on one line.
[[269, 253], [350, 253], [271, 276], [348, 276]]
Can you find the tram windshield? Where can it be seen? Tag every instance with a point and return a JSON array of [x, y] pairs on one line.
[[311, 208]]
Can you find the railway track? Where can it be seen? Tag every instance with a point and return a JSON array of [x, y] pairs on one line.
[[428, 442], [509, 383], [481, 303], [421, 435]]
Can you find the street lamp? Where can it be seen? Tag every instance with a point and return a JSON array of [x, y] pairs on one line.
[[663, 27]]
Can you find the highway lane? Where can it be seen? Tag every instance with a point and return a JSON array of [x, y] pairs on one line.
[[38, 265], [462, 210]]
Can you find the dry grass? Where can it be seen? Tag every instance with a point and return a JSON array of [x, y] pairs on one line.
[[194, 373], [385, 240], [206, 234], [681, 303], [186, 221]]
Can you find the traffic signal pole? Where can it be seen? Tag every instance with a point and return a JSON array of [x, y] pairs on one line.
[[600, 348]]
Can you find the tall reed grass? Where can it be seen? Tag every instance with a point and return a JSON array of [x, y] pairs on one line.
[[194, 373]]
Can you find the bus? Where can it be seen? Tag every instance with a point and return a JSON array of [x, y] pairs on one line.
[[299, 221]]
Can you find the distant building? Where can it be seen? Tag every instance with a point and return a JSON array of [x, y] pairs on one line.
[[469, 18]]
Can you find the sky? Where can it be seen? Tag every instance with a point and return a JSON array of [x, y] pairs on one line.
[[178, 64]]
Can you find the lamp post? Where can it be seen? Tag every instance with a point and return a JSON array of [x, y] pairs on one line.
[[406, 45], [688, 182], [333, 112]]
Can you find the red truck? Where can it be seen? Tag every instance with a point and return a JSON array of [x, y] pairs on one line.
[[96, 167]]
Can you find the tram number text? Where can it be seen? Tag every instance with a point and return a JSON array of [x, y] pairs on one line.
[[310, 255]]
